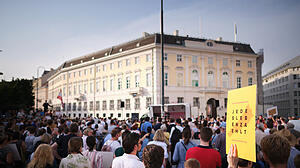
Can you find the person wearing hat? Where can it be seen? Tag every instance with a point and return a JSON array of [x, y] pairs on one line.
[[221, 144]]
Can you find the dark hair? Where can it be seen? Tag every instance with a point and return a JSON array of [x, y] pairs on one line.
[[75, 143], [159, 119], [178, 120], [270, 123], [153, 156], [172, 120], [147, 118], [149, 130], [41, 131], [205, 134], [124, 134], [130, 141], [280, 127], [186, 133], [31, 130], [74, 128], [276, 148], [91, 142], [115, 131]]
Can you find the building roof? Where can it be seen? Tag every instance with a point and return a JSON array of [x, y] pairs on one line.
[[294, 62], [150, 39]]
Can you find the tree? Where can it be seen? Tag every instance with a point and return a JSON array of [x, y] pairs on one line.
[[16, 95]]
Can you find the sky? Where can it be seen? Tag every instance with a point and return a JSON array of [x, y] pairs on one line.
[[46, 33]]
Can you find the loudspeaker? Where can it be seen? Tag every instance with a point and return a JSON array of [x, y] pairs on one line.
[[217, 103], [122, 104]]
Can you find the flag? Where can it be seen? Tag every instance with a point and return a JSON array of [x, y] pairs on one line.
[[60, 97]]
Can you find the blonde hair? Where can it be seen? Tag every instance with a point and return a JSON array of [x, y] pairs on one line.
[[42, 156], [159, 136], [46, 138]]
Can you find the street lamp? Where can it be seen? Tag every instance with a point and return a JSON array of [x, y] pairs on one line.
[[37, 87], [162, 60], [1, 74]]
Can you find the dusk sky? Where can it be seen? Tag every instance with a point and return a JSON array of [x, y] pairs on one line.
[[48, 32]]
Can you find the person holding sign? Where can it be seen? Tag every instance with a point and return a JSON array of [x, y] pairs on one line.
[[234, 161]]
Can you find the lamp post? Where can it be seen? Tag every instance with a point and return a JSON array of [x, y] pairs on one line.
[[162, 60], [37, 87], [1, 74]]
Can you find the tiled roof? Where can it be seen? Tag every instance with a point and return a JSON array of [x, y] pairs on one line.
[[153, 38]]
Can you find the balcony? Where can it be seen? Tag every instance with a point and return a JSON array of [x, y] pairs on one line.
[[136, 91]]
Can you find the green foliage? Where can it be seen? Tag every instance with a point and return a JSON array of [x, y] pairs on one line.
[[16, 95]]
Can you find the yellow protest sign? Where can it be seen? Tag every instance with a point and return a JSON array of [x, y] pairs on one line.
[[240, 126]]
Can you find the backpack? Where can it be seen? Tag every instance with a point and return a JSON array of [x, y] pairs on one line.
[[176, 136]]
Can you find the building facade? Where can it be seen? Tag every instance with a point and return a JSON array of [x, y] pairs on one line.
[[197, 71], [40, 89], [282, 88]]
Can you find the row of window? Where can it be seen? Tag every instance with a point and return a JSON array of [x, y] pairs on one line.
[[83, 106], [271, 98], [74, 115], [277, 81], [179, 58], [279, 88]]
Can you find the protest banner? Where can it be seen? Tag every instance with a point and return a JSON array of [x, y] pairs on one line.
[[272, 111], [240, 129]]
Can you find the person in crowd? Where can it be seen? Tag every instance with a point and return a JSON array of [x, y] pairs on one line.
[[276, 150], [259, 133], [42, 158], [171, 125], [297, 161], [182, 146], [270, 125], [134, 128], [290, 127], [153, 156], [86, 133], [61, 145], [292, 141], [221, 144], [29, 140], [95, 157], [175, 136], [167, 134], [192, 163], [75, 158], [146, 124], [158, 124], [207, 156], [6, 156], [131, 145], [112, 126], [113, 143], [145, 142], [159, 139]]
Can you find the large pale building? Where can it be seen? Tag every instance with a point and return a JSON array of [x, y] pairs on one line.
[[198, 72], [282, 88]]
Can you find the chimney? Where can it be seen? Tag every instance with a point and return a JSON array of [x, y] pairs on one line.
[[219, 39], [176, 33]]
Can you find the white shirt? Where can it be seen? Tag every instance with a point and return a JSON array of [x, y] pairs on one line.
[[161, 144], [127, 161], [85, 147], [113, 144]]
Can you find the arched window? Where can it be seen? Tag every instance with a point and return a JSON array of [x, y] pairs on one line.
[[210, 79], [195, 78], [179, 79], [225, 79]]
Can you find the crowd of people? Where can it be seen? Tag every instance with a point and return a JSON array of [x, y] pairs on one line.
[[49, 141]]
